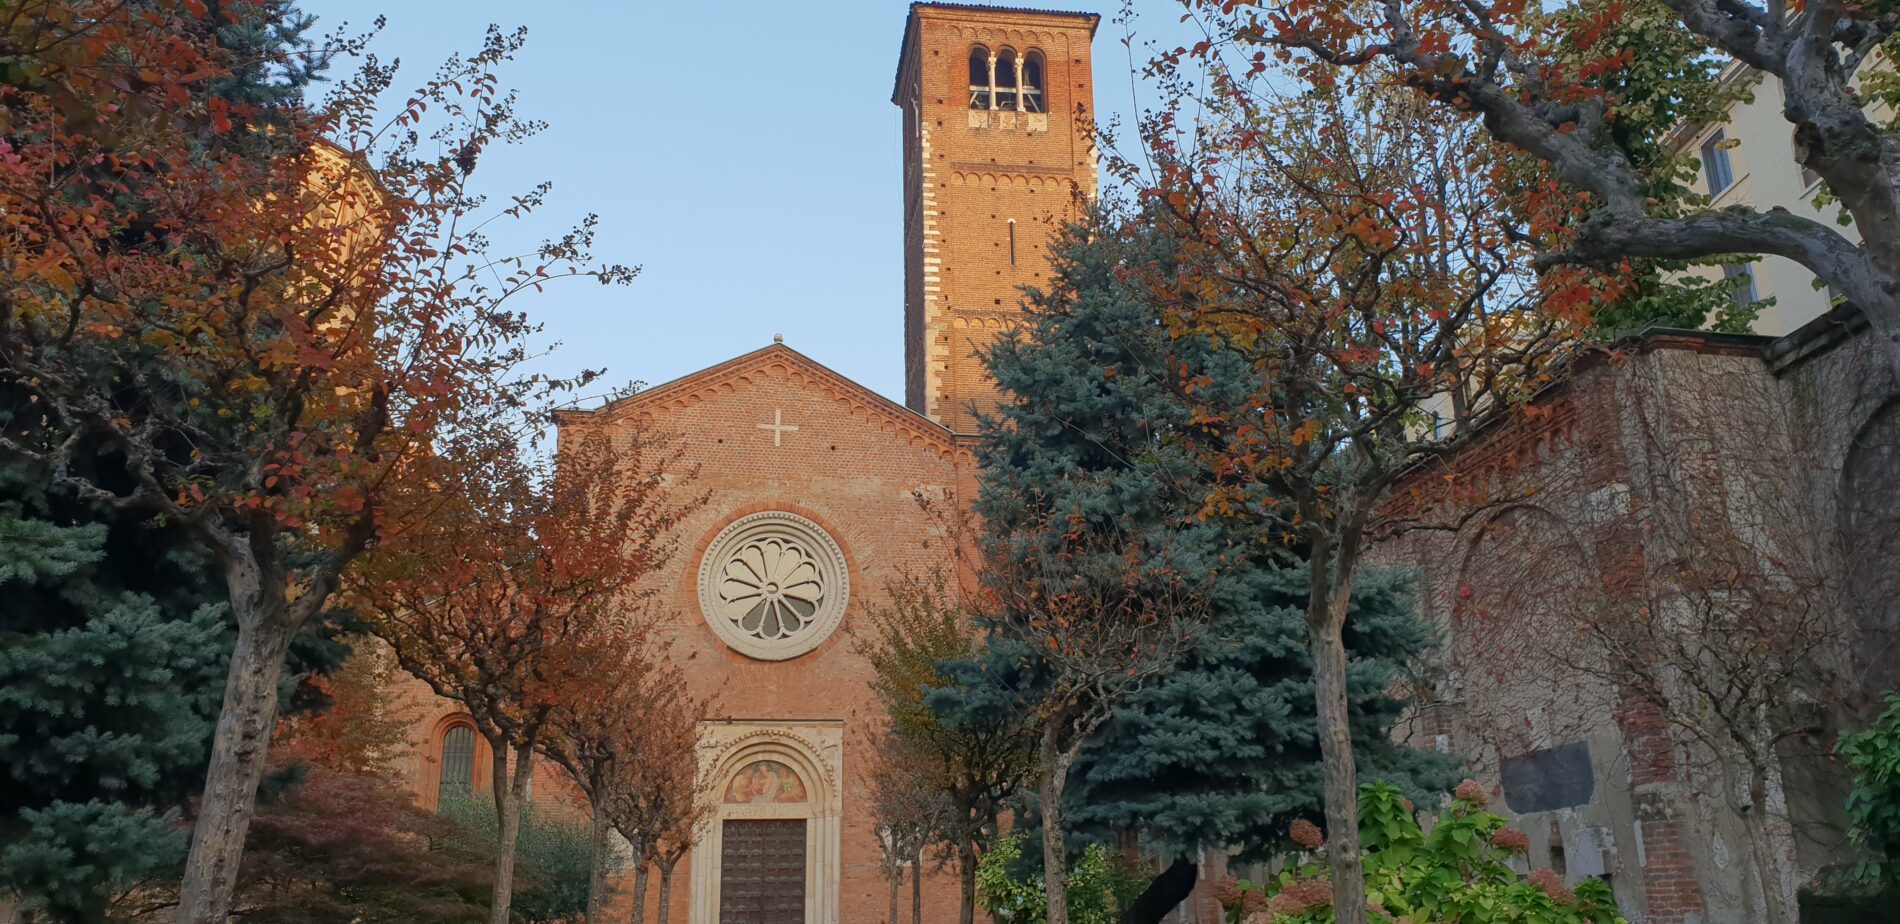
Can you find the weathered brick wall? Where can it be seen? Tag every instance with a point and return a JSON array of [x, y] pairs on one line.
[[1626, 487]]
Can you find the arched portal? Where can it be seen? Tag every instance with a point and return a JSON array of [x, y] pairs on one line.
[[768, 851]]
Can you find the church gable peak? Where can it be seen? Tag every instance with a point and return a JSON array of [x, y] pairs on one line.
[[756, 368]]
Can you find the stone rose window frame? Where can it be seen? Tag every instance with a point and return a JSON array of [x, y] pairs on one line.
[[755, 585]]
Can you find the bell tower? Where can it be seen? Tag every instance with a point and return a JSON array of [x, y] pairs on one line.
[[997, 105]]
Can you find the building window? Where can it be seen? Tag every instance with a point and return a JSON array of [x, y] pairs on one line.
[[979, 78], [1715, 165], [1006, 80], [1744, 293], [1008, 74], [1012, 242], [458, 760], [1033, 83]]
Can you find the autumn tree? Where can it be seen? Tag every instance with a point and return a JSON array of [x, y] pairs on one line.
[[546, 552], [588, 734], [1086, 619], [1531, 80], [1356, 254], [657, 803], [337, 846], [250, 345], [362, 725], [599, 732], [975, 746], [909, 808]]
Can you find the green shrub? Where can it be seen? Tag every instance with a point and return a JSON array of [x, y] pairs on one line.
[[1014, 899], [553, 856], [1459, 871], [1873, 803]]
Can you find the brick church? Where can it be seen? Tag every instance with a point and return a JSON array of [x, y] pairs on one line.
[[813, 478]]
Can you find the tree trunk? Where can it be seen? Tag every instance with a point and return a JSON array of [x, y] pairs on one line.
[[896, 880], [966, 873], [1762, 849], [916, 888], [1164, 893], [1326, 620], [640, 893], [1055, 865], [599, 890], [508, 797], [238, 749], [666, 890]]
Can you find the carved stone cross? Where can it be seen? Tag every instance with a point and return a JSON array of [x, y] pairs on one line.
[[778, 426]]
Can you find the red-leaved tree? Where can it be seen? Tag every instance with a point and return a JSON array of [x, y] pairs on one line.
[[659, 800], [229, 320], [520, 567], [1536, 82]]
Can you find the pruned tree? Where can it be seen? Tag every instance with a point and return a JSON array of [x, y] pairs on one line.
[[1530, 79], [976, 748], [909, 809], [593, 729], [659, 804], [544, 555], [225, 322], [1089, 609], [1357, 254]]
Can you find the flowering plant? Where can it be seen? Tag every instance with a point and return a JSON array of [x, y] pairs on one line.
[[1459, 872]]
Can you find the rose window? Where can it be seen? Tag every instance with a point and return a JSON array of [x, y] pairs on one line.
[[773, 585], [771, 588]]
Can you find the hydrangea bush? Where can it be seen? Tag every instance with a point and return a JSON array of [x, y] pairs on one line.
[[1457, 873]]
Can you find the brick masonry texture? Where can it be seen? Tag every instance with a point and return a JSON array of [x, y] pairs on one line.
[[967, 176]]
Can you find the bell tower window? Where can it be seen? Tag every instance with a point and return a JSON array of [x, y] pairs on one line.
[[1007, 80], [1008, 77], [1032, 82], [980, 94]]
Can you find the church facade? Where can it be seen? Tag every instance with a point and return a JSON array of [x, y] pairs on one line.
[[814, 481]]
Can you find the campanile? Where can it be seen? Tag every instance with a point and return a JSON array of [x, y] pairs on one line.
[[998, 108]]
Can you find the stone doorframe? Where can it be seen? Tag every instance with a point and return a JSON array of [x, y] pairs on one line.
[[814, 749]]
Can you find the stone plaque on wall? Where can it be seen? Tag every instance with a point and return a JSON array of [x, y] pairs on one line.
[[1548, 779]]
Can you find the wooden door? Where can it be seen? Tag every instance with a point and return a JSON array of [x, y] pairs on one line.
[[762, 872]]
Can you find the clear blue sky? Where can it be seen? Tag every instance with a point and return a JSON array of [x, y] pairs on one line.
[[746, 154]]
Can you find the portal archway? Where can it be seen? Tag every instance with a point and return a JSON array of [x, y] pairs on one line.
[[769, 850]]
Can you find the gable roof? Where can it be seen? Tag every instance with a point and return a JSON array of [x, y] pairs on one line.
[[710, 380]]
